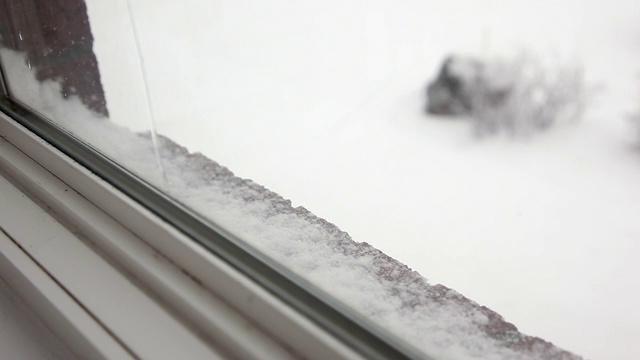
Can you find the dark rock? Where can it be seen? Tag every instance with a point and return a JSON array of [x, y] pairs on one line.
[[464, 85]]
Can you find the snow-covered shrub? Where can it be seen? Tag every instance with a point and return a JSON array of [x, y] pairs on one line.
[[539, 97]]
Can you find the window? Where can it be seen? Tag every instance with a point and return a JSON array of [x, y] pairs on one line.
[[324, 104]]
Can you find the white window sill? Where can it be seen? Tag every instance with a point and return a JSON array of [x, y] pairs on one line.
[[108, 266]]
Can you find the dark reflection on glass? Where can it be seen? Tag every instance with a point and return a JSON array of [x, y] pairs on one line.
[[57, 40]]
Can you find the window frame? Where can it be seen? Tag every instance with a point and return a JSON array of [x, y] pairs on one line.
[[69, 285]]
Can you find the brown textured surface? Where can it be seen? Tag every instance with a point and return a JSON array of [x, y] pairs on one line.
[[56, 36]]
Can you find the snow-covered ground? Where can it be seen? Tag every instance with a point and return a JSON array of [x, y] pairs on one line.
[[323, 104]]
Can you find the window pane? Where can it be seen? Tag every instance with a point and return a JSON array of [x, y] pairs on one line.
[[504, 173], [57, 46]]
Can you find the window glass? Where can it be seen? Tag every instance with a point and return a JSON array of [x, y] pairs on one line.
[[50, 66], [484, 144]]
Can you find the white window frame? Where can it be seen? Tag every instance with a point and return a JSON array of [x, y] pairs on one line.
[[192, 283], [222, 308]]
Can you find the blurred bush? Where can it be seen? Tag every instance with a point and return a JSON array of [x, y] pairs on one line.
[[541, 96]]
